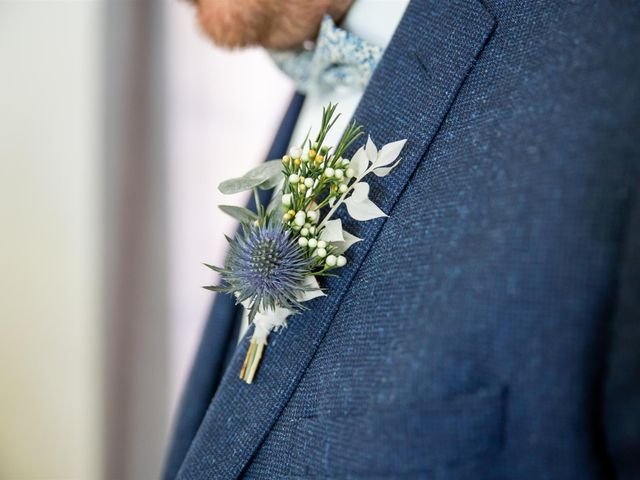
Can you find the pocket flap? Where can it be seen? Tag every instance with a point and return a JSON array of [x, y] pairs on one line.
[[406, 438]]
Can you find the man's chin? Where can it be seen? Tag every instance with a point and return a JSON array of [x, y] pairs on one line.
[[273, 24]]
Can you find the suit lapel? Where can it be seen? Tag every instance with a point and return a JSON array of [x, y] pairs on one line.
[[430, 55], [219, 337]]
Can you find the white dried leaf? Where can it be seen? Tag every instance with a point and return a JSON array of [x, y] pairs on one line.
[[384, 171], [332, 231], [312, 289], [359, 206], [389, 153], [349, 240], [359, 162], [372, 151]]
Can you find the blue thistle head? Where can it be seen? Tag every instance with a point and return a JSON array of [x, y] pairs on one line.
[[265, 266]]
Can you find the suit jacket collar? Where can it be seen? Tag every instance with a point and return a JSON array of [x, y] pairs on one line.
[[428, 59]]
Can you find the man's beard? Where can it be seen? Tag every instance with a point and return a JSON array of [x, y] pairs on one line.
[[275, 24]]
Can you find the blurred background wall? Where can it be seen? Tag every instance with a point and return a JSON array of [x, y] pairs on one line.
[[51, 240], [117, 121]]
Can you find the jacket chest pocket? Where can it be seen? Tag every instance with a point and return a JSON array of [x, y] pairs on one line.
[[403, 440]]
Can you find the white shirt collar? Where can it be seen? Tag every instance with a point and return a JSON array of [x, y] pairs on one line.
[[375, 21]]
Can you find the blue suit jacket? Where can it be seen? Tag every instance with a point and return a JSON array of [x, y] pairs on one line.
[[489, 328]]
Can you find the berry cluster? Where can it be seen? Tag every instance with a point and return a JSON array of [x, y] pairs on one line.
[[316, 176]]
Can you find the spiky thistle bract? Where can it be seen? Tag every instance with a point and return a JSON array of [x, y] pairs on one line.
[[265, 267]]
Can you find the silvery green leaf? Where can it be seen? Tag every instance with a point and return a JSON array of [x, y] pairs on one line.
[[359, 162], [349, 240], [359, 206], [389, 153], [246, 304], [275, 205], [332, 231], [372, 151], [270, 183], [214, 268], [384, 171], [264, 176], [239, 213], [215, 288]]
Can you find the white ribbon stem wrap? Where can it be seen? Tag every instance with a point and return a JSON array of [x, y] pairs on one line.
[[267, 321]]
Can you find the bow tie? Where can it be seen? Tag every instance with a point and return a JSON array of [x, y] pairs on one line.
[[339, 58]]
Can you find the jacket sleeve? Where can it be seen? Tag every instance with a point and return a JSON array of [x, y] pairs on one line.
[[622, 384]]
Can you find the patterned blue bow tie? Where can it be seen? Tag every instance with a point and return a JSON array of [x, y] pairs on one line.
[[339, 58]]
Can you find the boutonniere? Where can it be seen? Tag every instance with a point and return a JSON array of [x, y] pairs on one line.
[[282, 250]]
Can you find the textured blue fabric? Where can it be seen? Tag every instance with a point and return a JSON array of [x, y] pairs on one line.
[[489, 328]]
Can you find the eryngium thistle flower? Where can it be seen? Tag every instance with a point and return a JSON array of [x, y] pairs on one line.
[[265, 266]]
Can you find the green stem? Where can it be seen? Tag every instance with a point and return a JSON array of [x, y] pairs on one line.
[[324, 202], [256, 198]]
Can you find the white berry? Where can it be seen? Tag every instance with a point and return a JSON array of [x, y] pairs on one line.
[[300, 218], [312, 215], [295, 152]]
